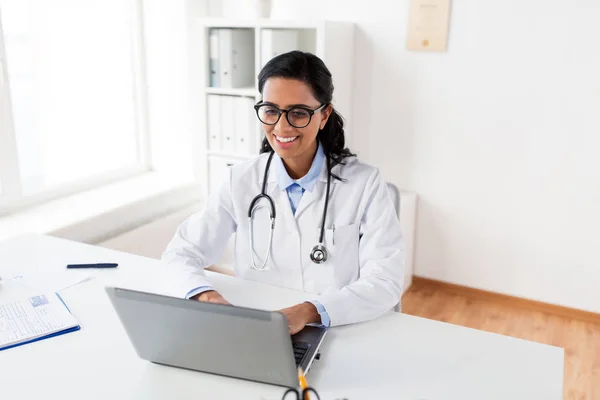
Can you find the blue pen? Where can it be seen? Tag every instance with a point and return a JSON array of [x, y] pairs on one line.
[[99, 265]]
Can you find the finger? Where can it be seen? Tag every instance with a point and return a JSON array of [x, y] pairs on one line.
[[298, 328]]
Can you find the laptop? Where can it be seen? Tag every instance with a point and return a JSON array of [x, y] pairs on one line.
[[220, 339]]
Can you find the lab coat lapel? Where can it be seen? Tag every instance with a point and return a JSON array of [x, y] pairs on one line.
[[309, 198], [272, 185], [318, 192], [284, 211]]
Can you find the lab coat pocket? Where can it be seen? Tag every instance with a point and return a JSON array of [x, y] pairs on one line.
[[342, 245]]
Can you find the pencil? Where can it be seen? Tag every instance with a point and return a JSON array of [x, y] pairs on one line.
[[303, 384]]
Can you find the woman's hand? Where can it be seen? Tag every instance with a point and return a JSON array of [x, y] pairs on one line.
[[211, 296], [300, 315]]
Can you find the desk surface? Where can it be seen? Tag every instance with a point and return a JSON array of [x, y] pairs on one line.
[[396, 356]]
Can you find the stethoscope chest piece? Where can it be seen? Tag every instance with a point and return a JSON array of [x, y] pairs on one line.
[[318, 255]]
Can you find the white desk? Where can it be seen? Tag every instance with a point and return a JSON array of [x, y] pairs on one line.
[[395, 357]]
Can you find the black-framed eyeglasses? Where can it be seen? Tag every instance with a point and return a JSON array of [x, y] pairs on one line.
[[298, 117]]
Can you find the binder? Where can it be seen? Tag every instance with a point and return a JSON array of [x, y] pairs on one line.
[[228, 124], [252, 144], [214, 122], [246, 124], [218, 169], [213, 51], [42, 317], [277, 41], [225, 58], [236, 58]]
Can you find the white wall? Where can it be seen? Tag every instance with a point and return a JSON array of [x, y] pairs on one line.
[[167, 74], [499, 137]]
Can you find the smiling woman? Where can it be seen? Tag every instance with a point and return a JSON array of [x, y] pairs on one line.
[[295, 137], [299, 85], [306, 213]]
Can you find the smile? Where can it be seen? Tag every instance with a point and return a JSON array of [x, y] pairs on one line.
[[285, 139]]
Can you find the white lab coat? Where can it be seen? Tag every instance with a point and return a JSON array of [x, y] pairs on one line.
[[363, 275]]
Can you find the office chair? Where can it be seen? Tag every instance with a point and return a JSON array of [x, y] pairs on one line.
[[395, 195]]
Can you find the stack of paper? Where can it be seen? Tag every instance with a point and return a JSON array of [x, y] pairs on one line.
[[34, 318]]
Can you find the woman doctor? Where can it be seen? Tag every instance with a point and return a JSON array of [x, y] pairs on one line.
[[335, 233]]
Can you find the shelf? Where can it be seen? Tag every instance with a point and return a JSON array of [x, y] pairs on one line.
[[246, 92], [332, 41], [290, 24], [259, 23], [227, 22], [230, 155]]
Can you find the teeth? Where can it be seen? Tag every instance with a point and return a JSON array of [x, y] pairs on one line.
[[286, 140]]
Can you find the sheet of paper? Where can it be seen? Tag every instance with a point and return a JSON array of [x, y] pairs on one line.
[[428, 23], [33, 317], [52, 281]]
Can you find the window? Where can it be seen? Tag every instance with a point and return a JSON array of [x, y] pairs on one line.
[[72, 104]]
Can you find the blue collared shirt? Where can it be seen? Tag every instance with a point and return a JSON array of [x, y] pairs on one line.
[[295, 189]]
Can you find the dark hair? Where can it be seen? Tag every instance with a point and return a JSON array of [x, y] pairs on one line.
[[310, 69]]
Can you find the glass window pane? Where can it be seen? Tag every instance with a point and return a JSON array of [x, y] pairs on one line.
[[71, 74]]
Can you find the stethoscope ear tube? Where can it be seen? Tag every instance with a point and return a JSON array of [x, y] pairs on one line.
[[263, 192], [322, 235], [272, 213], [256, 200], [251, 235]]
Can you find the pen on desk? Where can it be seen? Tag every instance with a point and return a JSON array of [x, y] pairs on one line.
[[98, 265], [303, 384]]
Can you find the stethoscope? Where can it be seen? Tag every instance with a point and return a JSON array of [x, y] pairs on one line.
[[318, 253]]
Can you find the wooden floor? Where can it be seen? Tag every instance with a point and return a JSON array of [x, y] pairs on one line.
[[579, 338]]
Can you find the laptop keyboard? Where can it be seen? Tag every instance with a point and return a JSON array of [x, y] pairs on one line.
[[300, 351]]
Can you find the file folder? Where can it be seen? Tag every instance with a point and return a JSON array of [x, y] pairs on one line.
[[30, 319]]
